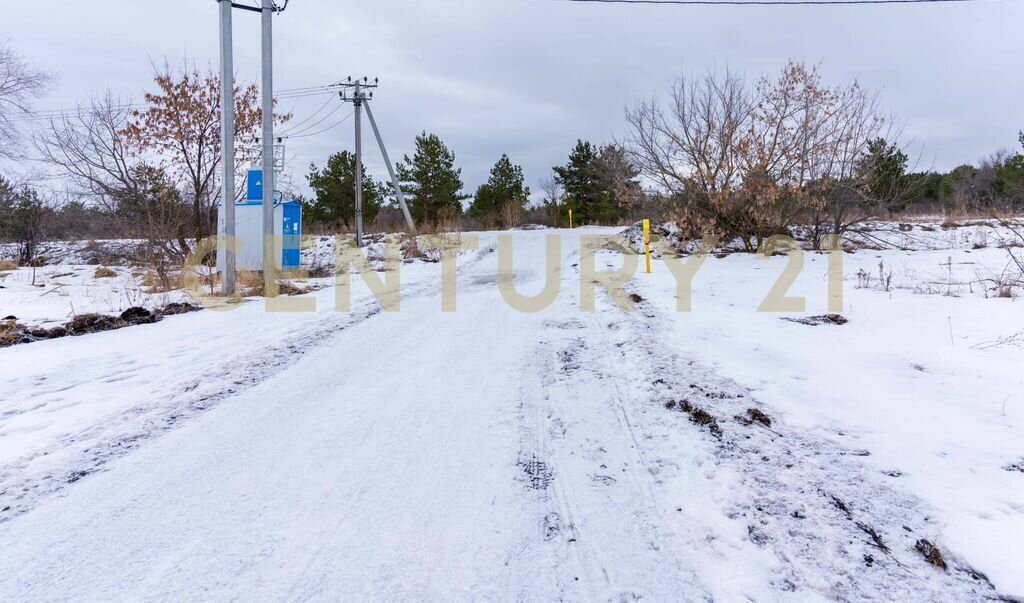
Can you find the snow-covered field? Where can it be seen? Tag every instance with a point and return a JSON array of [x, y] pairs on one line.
[[489, 453], [54, 294]]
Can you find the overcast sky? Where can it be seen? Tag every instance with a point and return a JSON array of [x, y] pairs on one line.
[[529, 77]]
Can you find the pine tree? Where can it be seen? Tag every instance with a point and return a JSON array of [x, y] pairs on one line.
[[579, 181], [431, 180], [7, 197], [334, 188], [600, 184], [503, 197], [23, 219]]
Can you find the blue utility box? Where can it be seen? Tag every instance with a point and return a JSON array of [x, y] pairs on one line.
[[291, 235], [254, 185], [249, 229]]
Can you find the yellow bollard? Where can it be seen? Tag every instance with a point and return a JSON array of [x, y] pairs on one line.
[[570, 219], [647, 243]]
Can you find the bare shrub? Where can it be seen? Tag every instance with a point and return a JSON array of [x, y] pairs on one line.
[[1002, 284], [692, 146], [447, 221], [511, 213], [552, 203], [749, 162]]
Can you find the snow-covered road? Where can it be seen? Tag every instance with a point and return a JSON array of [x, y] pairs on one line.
[[484, 454]]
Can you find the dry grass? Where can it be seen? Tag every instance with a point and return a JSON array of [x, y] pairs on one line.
[[931, 553], [249, 283], [155, 283], [104, 272], [7, 265], [11, 333]]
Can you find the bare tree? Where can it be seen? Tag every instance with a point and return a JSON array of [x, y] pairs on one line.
[[90, 150], [19, 85], [692, 148], [88, 147], [751, 163], [552, 201], [812, 144]]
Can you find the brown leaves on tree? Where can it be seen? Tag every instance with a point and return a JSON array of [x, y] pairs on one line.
[[750, 161], [180, 128]]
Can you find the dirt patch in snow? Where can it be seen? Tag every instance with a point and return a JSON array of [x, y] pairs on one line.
[[824, 319], [755, 416], [931, 553], [698, 415], [13, 332]]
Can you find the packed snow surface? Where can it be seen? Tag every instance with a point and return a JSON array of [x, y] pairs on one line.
[[491, 453]]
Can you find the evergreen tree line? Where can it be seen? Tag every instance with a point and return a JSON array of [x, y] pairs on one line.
[[600, 185], [996, 183]]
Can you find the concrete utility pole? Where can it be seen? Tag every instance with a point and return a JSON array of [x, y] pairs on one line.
[[227, 146], [357, 100], [269, 265], [361, 100], [391, 170]]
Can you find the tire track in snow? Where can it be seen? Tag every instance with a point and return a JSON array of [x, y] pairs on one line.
[[564, 567], [609, 544]]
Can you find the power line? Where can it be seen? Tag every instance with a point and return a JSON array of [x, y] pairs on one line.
[[328, 128], [314, 114], [48, 114], [772, 2], [301, 94], [295, 131], [59, 114]]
